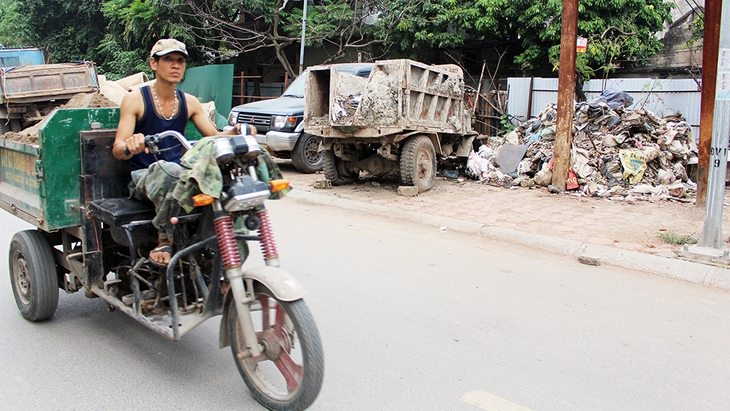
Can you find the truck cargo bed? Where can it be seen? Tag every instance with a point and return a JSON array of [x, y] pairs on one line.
[[399, 96], [45, 82], [41, 183]]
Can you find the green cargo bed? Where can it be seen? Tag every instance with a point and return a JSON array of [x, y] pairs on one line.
[[41, 183]]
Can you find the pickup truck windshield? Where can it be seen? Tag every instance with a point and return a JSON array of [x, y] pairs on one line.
[[296, 88]]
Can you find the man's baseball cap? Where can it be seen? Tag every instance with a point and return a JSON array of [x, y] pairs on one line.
[[167, 46]]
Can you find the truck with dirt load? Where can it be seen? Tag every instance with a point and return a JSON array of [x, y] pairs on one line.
[[403, 118], [29, 93], [279, 122]]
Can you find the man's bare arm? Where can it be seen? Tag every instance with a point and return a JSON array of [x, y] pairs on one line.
[[129, 112]]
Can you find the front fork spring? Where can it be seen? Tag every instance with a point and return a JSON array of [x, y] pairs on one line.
[[227, 242], [266, 237]]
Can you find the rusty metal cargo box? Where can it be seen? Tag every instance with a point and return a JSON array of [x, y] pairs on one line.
[[40, 182], [25, 84], [400, 95]]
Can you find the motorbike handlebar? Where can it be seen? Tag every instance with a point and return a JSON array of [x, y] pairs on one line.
[[152, 140]]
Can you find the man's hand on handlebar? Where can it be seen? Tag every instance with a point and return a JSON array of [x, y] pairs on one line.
[[135, 144], [251, 130]]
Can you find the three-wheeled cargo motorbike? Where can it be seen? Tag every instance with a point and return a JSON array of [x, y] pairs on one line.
[[91, 236]]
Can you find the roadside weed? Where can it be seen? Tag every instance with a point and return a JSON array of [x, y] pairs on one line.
[[676, 239]]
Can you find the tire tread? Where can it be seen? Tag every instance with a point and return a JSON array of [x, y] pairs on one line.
[[329, 164], [313, 365], [44, 284], [299, 157], [408, 162]]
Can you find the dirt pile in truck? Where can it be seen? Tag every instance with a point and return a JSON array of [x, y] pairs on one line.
[[83, 100], [616, 153], [89, 100], [110, 94]]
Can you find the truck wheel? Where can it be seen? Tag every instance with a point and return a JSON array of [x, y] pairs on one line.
[[33, 275], [15, 125], [306, 156], [4, 127], [335, 169], [418, 163]]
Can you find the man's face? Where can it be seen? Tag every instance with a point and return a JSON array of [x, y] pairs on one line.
[[170, 66]]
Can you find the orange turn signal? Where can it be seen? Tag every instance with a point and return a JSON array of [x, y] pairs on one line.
[[278, 185], [200, 200]]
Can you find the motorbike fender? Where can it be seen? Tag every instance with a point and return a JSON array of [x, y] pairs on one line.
[[282, 285]]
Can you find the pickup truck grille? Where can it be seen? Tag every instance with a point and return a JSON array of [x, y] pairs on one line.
[[262, 122]]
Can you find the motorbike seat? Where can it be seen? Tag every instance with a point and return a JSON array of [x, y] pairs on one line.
[[120, 211]]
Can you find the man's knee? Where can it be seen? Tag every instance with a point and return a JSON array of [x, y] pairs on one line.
[[161, 179]]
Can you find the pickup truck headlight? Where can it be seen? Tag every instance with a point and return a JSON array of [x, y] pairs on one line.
[[284, 122], [233, 117]]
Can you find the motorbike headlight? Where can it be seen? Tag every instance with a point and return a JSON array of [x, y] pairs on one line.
[[223, 150], [245, 146], [283, 122], [245, 194]]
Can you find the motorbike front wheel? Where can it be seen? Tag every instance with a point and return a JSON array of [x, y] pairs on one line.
[[288, 374]]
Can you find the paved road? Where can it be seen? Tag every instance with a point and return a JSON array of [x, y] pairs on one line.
[[412, 318]]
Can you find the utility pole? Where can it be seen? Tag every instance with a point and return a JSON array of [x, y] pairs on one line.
[[711, 242], [566, 94], [710, 45], [304, 31]]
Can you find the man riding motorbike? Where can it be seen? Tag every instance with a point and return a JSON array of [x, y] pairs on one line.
[[151, 110]]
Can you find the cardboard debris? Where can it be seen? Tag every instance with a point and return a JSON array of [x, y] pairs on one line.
[[509, 157], [615, 152]]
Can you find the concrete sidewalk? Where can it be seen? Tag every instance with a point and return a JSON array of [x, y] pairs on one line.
[[623, 233]]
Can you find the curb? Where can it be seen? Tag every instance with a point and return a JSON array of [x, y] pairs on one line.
[[676, 268]]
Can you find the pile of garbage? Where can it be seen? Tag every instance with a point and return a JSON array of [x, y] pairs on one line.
[[615, 153]]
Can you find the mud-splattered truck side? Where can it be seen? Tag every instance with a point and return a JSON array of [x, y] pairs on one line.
[[404, 117]]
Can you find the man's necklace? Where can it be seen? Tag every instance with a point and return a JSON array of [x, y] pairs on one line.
[[159, 106]]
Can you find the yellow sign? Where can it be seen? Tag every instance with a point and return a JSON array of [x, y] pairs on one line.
[[17, 169]]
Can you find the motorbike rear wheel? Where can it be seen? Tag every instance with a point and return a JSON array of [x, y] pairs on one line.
[[33, 275], [288, 374]]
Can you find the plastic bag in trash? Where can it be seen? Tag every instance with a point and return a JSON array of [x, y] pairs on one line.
[[477, 167], [614, 98], [634, 164]]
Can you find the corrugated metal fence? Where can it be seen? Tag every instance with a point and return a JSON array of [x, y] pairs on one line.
[[527, 97]]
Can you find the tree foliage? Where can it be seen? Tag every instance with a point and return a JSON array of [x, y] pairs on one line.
[[14, 30], [621, 32], [118, 33], [67, 30], [698, 27], [338, 27], [132, 27]]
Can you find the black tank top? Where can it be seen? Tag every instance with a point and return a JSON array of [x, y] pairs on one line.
[[153, 123]]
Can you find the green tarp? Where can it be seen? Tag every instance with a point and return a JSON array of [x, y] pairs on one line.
[[211, 83]]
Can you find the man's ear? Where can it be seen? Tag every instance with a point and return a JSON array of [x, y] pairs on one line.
[[153, 63]]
